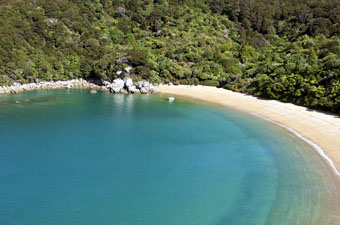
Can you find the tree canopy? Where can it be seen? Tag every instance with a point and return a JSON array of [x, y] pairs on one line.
[[284, 50]]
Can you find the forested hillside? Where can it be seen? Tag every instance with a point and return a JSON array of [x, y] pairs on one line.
[[280, 49]]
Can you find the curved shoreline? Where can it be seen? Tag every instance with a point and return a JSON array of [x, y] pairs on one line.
[[313, 127], [316, 147], [210, 94]]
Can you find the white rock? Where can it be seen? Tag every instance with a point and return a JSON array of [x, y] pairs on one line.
[[133, 89], [152, 88], [127, 69], [119, 82], [139, 84], [144, 90], [145, 86], [117, 85], [143, 83], [128, 82]]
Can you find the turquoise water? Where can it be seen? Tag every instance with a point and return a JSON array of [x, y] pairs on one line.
[[70, 157]]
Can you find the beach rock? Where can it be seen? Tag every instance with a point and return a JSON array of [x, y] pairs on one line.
[[145, 86], [128, 82], [117, 85], [128, 69], [139, 84], [105, 89], [142, 83], [13, 90], [152, 88], [143, 90], [17, 87], [133, 89], [93, 91]]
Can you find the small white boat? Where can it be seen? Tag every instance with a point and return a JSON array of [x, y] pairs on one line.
[[171, 99]]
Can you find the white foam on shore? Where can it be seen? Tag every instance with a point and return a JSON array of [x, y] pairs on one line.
[[316, 147]]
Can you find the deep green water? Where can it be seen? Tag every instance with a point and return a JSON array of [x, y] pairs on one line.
[[73, 158]]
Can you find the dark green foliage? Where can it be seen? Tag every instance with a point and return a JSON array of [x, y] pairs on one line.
[[285, 50], [292, 18]]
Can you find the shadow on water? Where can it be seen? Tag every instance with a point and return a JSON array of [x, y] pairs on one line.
[[43, 99]]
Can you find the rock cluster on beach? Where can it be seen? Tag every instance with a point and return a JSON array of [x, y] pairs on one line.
[[119, 85], [126, 85], [17, 87]]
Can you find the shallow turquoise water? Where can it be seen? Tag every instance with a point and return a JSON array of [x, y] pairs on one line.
[[70, 157]]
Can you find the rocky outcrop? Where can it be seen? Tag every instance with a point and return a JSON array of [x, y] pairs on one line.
[[145, 86], [133, 89], [127, 85], [116, 86], [123, 86], [17, 87], [128, 82]]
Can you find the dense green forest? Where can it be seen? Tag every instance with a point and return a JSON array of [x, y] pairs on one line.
[[279, 49]]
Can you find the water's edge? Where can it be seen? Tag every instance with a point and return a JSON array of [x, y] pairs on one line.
[[85, 84], [324, 158], [325, 193], [316, 147]]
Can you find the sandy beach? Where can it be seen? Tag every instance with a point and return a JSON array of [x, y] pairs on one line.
[[318, 129]]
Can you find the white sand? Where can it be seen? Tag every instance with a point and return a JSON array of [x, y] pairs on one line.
[[320, 130]]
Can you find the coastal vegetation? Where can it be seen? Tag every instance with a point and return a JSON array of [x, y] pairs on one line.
[[284, 50]]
